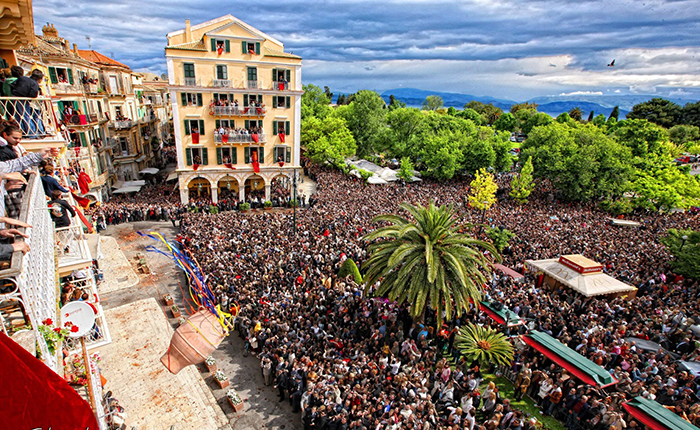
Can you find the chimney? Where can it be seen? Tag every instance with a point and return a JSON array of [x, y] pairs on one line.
[[75, 49], [188, 32], [49, 30]]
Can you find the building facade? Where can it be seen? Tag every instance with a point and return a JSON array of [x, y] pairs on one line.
[[236, 101]]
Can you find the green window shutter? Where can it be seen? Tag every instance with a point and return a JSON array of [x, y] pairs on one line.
[[246, 155], [82, 139], [201, 127], [187, 126], [286, 128], [274, 153], [287, 103], [183, 97], [213, 45], [274, 102], [247, 124], [257, 48], [205, 156], [52, 75], [274, 129], [216, 96], [218, 156], [70, 76], [288, 73], [224, 69], [227, 44], [244, 45], [261, 155], [234, 155], [218, 124], [274, 75], [199, 99], [245, 100], [188, 156], [288, 153]]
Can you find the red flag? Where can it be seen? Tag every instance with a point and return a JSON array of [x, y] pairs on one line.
[[258, 110], [82, 201], [86, 223], [195, 137], [195, 166], [35, 396], [255, 137], [230, 166], [281, 85], [254, 160], [220, 49], [251, 51], [282, 137], [245, 110], [224, 138], [256, 167]]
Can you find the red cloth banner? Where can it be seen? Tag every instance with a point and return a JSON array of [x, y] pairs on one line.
[[36, 396], [224, 138], [258, 110], [195, 137], [251, 51], [255, 138], [220, 49], [230, 166], [245, 110], [195, 166], [282, 137], [254, 160], [281, 85], [82, 201]]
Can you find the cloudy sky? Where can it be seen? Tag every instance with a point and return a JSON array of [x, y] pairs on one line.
[[514, 49]]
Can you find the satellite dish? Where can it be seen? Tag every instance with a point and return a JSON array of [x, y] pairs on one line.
[[80, 315]]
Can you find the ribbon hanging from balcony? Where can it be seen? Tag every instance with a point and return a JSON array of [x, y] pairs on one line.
[[85, 222], [282, 137], [255, 137], [251, 51], [195, 137], [77, 151], [258, 110], [254, 160], [82, 201], [224, 138], [195, 166], [83, 182], [37, 396]]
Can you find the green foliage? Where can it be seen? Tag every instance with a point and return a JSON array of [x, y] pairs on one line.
[[620, 206], [471, 115], [576, 114], [477, 152], [314, 103], [327, 140], [657, 110], [665, 187], [432, 103], [643, 137], [365, 174], [350, 268], [500, 237], [244, 206], [521, 185], [53, 336], [690, 114], [441, 153], [267, 204], [488, 112], [451, 111], [536, 120], [684, 245], [404, 124], [564, 118], [365, 118], [426, 262], [482, 193], [502, 148], [590, 116], [615, 113], [484, 345], [684, 134], [406, 169], [599, 121], [395, 104], [505, 122], [523, 106]]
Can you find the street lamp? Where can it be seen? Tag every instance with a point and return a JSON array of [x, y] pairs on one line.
[[294, 188], [684, 237]]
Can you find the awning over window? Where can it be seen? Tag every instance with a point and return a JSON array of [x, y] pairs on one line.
[[502, 315], [581, 367], [655, 416], [171, 176], [508, 271], [149, 171]]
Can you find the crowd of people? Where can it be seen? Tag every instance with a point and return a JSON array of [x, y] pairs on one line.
[[348, 361]]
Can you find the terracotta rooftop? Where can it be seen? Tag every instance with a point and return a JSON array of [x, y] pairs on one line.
[[96, 57], [275, 53], [191, 46]]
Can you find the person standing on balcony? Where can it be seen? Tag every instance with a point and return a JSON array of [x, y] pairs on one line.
[[24, 87], [49, 182], [60, 210]]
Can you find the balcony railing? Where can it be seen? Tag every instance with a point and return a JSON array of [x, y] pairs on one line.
[[35, 116], [34, 274], [65, 88], [237, 111], [123, 124], [280, 85], [189, 82], [238, 138], [76, 119], [71, 245], [257, 85], [99, 334], [221, 83], [91, 88]]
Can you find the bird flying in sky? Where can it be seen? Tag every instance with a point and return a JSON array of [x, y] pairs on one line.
[[612, 64]]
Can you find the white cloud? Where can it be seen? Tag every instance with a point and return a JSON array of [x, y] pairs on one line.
[[582, 93]]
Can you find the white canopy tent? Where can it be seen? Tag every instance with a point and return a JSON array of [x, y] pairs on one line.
[[149, 171], [588, 284], [139, 183], [126, 190]]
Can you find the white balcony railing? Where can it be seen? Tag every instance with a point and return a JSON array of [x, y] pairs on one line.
[[239, 138], [99, 335], [189, 82], [221, 83], [35, 116], [280, 85], [71, 245], [66, 88], [91, 88], [238, 111], [257, 85], [123, 124], [34, 274]]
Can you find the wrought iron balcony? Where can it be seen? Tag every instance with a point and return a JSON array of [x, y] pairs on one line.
[[237, 111], [66, 88], [71, 246], [222, 83], [119, 125], [256, 85], [280, 85], [35, 116], [238, 138]]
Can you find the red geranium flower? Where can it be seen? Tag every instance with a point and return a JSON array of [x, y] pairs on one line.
[[57, 329], [48, 321], [74, 329]]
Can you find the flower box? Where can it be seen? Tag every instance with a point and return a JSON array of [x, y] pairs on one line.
[[237, 406], [234, 400], [176, 311], [221, 379], [168, 299], [211, 364], [222, 384]]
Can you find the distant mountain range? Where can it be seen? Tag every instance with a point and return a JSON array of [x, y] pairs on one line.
[[552, 105]]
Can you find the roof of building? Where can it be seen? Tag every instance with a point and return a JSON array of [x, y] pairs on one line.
[[223, 19], [588, 284], [191, 46], [275, 53], [96, 57], [43, 46]]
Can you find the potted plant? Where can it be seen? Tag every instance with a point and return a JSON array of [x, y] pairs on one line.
[[221, 378], [245, 206], [54, 336], [181, 321], [234, 400], [268, 205], [210, 362], [293, 203], [168, 299], [176, 311]]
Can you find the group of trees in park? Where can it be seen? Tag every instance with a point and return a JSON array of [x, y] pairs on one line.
[[622, 163]]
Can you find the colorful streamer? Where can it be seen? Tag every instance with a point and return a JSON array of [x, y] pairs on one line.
[[200, 292]]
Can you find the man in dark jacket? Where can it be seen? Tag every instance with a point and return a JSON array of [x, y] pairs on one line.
[[60, 210]]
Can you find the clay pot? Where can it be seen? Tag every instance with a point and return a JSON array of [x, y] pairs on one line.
[[193, 341], [239, 407]]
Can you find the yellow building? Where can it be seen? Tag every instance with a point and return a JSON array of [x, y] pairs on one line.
[[236, 98]]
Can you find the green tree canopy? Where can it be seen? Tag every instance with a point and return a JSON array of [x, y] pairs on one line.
[[314, 102], [615, 113], [365, 118], [522, 184], [536, 120], [404, 124], [406, 169], [432, 103], [488, 112], [395, 103], [426, 262], [482, 193], [684, 245], [484, 345], [471, 115], [576, 114], [327, 140], [505, 122], [690, 114], [657, 110], [527, 106], [683, 134]]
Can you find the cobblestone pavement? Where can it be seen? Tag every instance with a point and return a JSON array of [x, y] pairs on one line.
[[141, 328]]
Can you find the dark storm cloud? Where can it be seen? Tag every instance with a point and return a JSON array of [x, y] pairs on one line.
[[427, 32]]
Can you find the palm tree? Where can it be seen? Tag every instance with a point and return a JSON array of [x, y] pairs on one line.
[[427, 262], [484, 345]]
